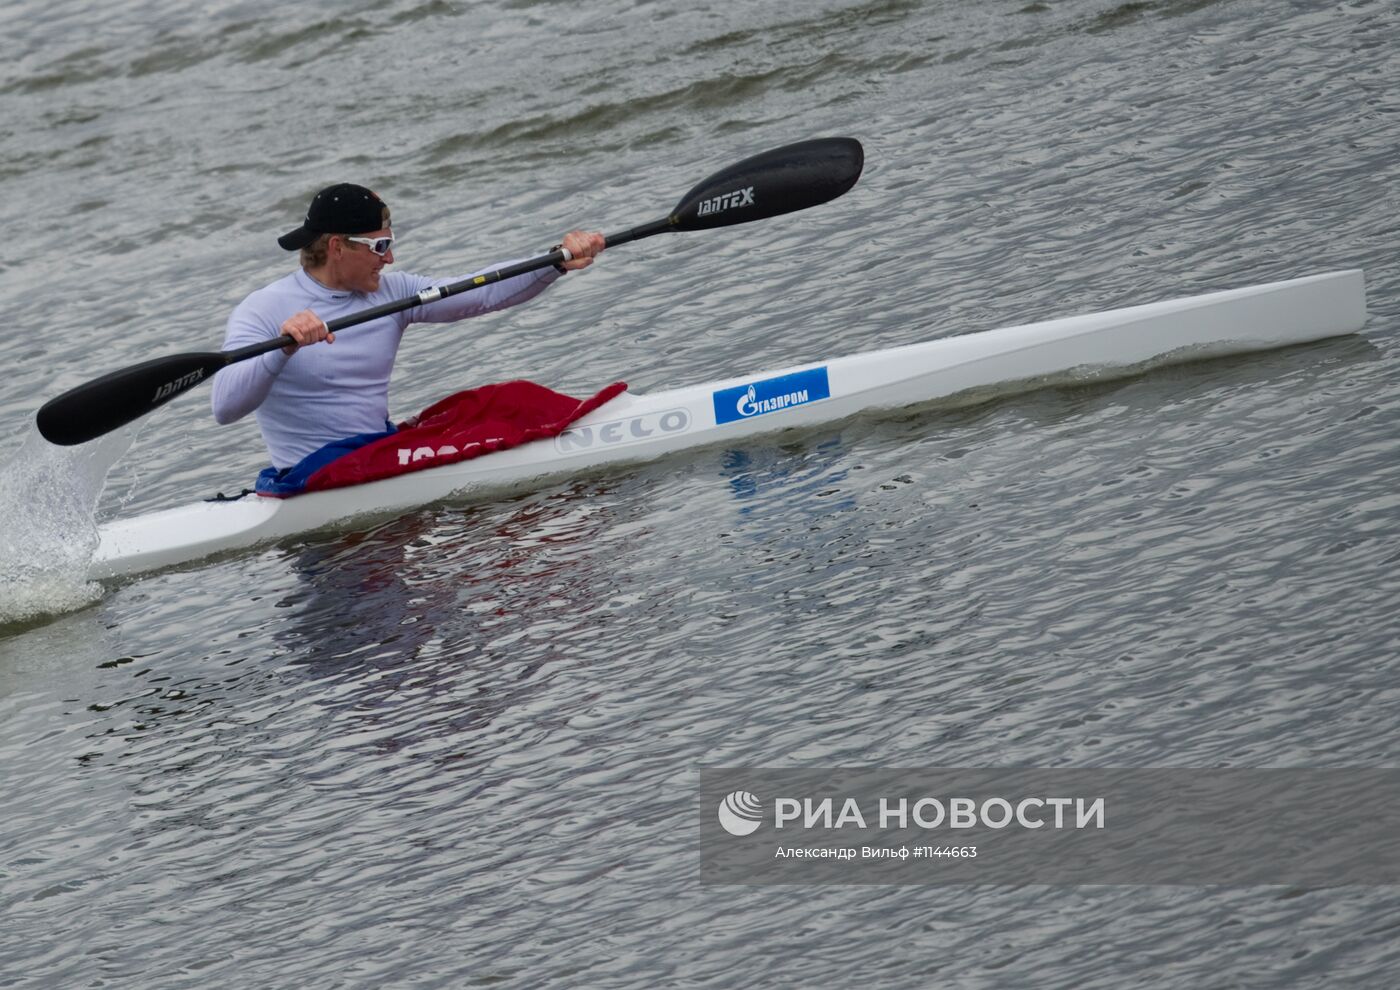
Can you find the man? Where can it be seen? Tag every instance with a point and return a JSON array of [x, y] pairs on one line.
[[306, 397]]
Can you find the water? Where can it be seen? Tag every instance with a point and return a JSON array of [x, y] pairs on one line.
[[49, 534], [463, 747]]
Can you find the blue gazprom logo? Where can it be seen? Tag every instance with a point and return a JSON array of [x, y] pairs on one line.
[[771, 395]]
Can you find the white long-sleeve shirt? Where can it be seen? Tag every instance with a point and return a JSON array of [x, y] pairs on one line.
[[322, 393]]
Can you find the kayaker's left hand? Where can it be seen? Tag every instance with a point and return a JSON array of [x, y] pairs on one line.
[[584, 246]]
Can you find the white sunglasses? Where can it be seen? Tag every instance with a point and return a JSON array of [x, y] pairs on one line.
[[379, 245]]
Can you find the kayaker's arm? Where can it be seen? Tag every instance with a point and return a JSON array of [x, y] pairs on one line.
[[583, 246], [488, 299], [240, 388]]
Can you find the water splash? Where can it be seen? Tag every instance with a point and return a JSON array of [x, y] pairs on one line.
[[48, 524]]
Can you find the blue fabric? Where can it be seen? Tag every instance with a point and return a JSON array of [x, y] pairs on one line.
[[283, 482]]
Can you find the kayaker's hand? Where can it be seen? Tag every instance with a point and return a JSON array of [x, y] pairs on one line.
[[306, 328], [584, 246]]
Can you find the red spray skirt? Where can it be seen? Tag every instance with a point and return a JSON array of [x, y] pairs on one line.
[[460, 427]]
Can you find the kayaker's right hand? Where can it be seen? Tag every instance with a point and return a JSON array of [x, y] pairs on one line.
[[306, 328]]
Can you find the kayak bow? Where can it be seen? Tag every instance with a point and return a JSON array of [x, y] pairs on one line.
[[636, 427]]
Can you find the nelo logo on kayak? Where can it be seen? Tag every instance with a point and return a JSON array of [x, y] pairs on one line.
[[729, 201], [178, 385], [771, 395], [633, 429]]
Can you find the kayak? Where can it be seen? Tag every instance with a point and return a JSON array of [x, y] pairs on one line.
[[636, 427]]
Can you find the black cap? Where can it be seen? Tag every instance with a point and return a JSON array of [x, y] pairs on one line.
[[340, 209]]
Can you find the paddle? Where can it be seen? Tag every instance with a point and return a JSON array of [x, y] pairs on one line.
[[784, 180]]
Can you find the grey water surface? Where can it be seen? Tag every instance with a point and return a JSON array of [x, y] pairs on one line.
[[463, 747]]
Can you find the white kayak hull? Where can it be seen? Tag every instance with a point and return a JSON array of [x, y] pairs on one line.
[[636, 427]]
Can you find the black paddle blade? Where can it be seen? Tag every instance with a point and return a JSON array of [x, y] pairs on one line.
[[780, 181], [103, 404]]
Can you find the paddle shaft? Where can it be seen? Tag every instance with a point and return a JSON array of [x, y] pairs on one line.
[[555, 257]]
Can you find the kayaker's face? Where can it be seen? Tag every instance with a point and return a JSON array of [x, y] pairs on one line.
[[360, 266]]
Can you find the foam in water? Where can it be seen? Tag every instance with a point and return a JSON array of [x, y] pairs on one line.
[[48, 524]]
